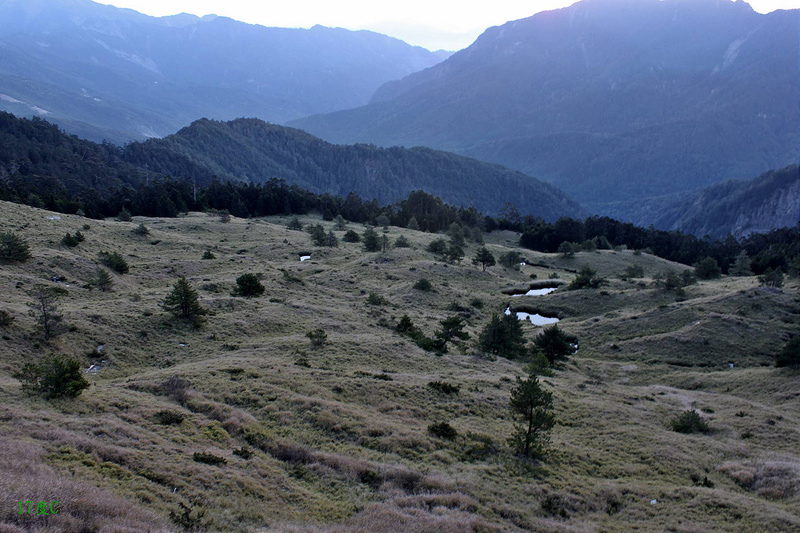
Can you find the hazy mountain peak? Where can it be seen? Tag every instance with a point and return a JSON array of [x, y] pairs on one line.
[[97, 67], [611, 100]]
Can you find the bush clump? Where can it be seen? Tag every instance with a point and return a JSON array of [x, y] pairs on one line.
[[140, 230], [13, 248], [209, 458], [6, 319], [176, 388], [790, 355], [248, 286], [376, 299], [443, 430], [166, 417], [444, 387], [114, 261], [423, 285], [586, 279], [55, 377], [689, 422], [73, 240], [318, 337], [351, 236]]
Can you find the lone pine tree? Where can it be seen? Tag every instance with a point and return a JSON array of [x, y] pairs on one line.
[[532, 408], [183, 301], [484, 258]]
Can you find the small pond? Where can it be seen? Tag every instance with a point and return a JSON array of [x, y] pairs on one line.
[[536, 319], [535, 292], [534, 288]]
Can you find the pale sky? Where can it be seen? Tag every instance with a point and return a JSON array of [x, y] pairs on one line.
[[433, 24]]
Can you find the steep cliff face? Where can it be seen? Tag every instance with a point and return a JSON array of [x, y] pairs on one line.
[[782, 209], [740, 208]]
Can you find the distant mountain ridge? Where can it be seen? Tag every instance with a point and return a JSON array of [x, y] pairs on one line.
[[251, 150], [609, 99], [104, 72], [735, 207]]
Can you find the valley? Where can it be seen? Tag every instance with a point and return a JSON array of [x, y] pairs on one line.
[[242, 424]]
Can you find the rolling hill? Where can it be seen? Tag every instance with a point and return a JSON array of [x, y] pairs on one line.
[[242, 425], [42, 166], [251, 150]]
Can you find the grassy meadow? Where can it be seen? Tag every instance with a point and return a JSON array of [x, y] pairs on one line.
[[335, 438]]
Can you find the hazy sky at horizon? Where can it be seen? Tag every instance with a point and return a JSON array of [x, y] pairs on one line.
[[433, 24]]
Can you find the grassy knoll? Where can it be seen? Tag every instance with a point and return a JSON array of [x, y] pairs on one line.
[[335, 438]]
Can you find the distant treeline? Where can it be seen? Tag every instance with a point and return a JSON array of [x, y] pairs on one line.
[[778, 249], [43, 167]]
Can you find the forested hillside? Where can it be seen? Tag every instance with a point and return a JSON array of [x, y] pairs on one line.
[[769, 201], [253, 151], [611, 100]]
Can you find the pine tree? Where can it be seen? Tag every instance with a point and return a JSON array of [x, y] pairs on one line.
[[456, 234], [503, 336], [532, 408], [555, 344], [44, 309], [183, 301], [484, 258], [103, 280], [331, 241], [413, 224], [741, 266], [452, 328], [372, 243], [318, 235]]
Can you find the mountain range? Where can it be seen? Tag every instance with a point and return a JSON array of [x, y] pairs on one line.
[[613, 101], [108, 73]]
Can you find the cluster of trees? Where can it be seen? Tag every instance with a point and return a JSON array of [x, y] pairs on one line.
[[778, 249]]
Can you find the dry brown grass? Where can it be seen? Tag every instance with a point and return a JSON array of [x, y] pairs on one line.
[[334, 448], [24, 476]]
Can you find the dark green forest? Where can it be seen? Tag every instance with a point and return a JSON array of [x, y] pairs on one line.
[[43, 167], [254, 151]]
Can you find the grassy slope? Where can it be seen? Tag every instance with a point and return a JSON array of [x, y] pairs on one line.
[[354, 450]]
